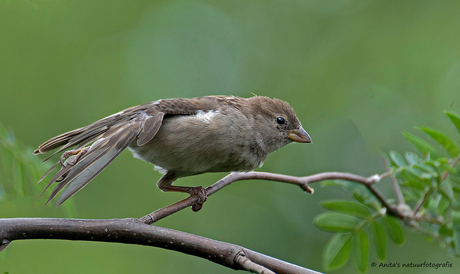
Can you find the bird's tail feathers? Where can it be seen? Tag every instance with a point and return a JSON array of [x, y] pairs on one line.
[[96, 146]]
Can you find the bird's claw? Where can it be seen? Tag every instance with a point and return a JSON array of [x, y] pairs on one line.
[[199, 192]]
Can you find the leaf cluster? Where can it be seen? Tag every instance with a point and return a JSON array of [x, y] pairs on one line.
[[429, 188], [21, 171]]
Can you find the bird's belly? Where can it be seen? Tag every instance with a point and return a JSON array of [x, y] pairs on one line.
[[175, 149], [194, 163]]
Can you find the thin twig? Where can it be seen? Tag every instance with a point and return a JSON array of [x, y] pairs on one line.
[[303, 182], [394, 184], [422, 200]]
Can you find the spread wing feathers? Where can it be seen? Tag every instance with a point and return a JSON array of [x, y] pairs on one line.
[[81, 135], [108, 137], [112, 135], [97, 158]]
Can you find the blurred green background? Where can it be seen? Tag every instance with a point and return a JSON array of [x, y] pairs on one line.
[[357, 73]]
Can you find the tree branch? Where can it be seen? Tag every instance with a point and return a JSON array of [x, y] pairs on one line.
[[303, 182], [132, 231]]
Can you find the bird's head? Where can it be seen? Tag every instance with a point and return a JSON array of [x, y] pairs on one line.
[[276, 122]]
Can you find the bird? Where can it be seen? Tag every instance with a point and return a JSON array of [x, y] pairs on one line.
[[180, 137]]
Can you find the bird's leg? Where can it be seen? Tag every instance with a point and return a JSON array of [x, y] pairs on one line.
[[166, 184], [78, 152]]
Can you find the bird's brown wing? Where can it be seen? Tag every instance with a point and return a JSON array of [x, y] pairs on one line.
[[99, 156], [101, 142]]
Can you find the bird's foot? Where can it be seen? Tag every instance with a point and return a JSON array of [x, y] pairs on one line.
[[199, 192]]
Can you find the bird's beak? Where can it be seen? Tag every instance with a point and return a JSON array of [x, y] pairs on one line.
[[299, 135]]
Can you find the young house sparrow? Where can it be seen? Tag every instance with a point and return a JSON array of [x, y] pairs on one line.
[[181, 137]]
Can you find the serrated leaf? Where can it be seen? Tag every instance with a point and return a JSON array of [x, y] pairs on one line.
[[349, 208], [337, 251], [442, 139], [378, 240], [393, 229], [421, 145], [360, 250], [455, 119], [397, 159], [335, 222], [412, 158]]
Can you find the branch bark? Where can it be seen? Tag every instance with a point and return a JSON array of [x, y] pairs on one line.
[[132, 231], [139, 231], [302, 182]]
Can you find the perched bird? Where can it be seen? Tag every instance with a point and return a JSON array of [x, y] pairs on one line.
[[181, 137]]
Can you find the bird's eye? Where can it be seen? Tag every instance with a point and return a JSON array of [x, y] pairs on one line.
[[280, 120]]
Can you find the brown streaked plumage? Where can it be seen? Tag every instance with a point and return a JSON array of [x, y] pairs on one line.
[[182, 137]]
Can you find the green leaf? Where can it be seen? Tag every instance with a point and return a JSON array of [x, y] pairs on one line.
[[416, 172], [457, 240], [361, 250], [455, 183], [456, 218], [431, 202], [412, 158], [456, 231], [335, 222], [455, 119], [427, 169], [22, 169], [397, 159], [446, 189], [421, 145], [337, 251], [441, 138], [362, 195], [393, 229], [443, 204], [446, 230], [378, 239], [415, 184], [349, 208], [337, 183]]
